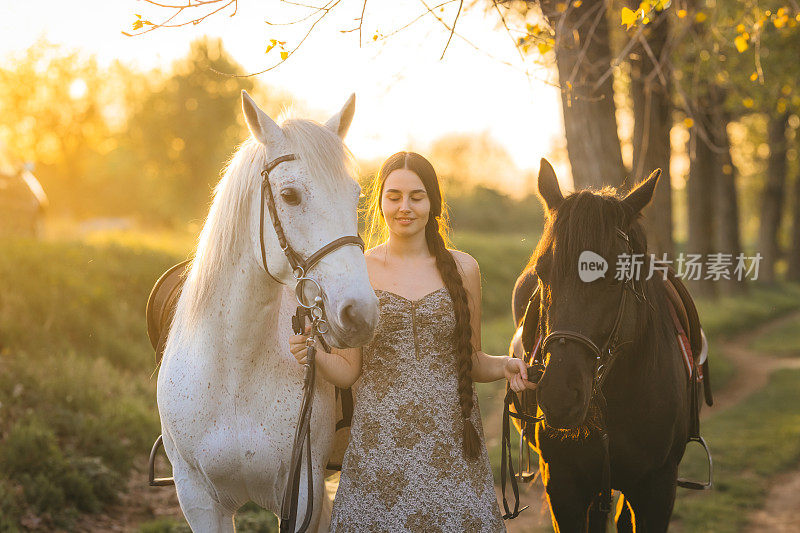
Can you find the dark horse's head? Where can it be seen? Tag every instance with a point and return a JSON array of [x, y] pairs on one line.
[[584, 310]]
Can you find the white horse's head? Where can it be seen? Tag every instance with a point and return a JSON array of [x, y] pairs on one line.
[[316, 199]]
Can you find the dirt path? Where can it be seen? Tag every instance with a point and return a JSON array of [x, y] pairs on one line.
[[780, 512], [752, 368], [140, 504]]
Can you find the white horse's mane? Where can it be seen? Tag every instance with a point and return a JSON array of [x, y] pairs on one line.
[[226, 230]]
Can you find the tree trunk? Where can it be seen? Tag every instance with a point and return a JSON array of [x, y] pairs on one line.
[[727, 227], [772, 198], [583, 57], [793, 272], [700, 189], [651, 88]]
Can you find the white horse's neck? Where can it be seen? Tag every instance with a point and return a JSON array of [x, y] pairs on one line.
[[242, 316]]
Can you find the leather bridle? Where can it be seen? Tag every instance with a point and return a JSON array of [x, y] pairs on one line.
[[604, 359], [605, 356], [313, 309], [300, 266]]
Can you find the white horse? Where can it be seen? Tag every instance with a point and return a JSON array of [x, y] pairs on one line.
[[229, 390]]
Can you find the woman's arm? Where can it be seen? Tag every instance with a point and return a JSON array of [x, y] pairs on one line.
[[485, 367], [342, 367]]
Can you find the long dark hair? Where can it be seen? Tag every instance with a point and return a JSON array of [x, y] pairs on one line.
[[436, 236]]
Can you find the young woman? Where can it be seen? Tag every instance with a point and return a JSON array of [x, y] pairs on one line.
[[417, 460]]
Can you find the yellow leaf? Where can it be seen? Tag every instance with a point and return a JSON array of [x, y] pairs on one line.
[[780, 22], [375, 37], [646, 21], [681, 13], [786, 90], [137, 24], [543, 47], [740, 28], [754, 76], [688, 122], [644, 7], [628, 17], [577, 3], [700, 17], [748, 102], [781, 105], [741, 42], [284, 55], [270, 47], [661, 5]]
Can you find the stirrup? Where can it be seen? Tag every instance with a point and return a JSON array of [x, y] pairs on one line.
[[161, 481], [696, 485], [525, 474]]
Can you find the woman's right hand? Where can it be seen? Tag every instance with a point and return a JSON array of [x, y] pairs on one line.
[[298, 346]]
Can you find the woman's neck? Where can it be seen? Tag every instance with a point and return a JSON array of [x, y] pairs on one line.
[[411, 247]]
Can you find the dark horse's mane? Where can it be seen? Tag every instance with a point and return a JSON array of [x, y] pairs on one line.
[[588, 220]]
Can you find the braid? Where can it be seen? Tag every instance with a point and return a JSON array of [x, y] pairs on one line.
[[446, 265]]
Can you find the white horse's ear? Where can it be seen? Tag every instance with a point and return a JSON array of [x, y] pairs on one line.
[[260, 125], [340, 122]]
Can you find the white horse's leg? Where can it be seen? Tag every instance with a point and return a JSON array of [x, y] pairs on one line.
[[201, 511], [327, 506]]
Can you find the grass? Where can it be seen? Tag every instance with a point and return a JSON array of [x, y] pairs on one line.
[[781, 341], [750, 444], [77, 401]]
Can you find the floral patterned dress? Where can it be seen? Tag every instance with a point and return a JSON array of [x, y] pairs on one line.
[[404, 469]]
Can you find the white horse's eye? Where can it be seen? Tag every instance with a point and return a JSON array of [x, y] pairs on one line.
[[290, 196]]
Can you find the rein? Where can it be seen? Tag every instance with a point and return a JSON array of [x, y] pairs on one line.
[[604, 359], [315, 311]]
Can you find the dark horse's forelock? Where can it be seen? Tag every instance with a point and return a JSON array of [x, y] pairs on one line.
[[588, 220]]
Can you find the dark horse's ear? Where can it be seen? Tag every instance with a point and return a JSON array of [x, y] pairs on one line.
[[639, 197], [549, 191]]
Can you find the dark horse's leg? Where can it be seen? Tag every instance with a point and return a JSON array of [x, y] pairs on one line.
[[653, 499], [572, 476], [569, 501]]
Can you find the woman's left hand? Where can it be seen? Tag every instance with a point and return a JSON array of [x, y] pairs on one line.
[[516, 372]]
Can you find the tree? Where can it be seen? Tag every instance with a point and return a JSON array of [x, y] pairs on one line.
[[185, 129], [52, 114]]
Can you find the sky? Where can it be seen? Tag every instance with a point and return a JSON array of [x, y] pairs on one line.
[[406, 97]]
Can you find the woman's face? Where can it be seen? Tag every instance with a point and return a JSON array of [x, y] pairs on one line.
[[405, 203]]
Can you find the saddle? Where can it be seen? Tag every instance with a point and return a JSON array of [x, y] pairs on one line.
[[159, 312]]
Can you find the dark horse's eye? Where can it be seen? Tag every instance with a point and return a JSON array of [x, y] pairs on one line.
[[290, 196]]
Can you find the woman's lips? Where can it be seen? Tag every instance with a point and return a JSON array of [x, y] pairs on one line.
[[404, 221]]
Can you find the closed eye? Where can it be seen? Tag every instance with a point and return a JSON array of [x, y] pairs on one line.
[[290, 196]]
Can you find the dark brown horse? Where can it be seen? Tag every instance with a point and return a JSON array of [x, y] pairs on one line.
[[640, 394]]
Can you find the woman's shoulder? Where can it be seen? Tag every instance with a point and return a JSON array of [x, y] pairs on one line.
[[465, 261]]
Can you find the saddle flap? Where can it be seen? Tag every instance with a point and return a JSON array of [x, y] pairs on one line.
[[161, 305], [681, 301]]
